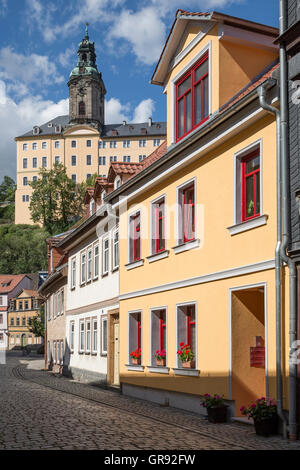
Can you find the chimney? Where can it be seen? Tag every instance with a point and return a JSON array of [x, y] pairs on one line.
[[150, 122], [124, 123]]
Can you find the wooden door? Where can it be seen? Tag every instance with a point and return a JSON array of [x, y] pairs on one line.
[[116, 354]]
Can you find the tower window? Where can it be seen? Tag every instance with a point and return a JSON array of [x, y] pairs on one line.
[[81, 108]]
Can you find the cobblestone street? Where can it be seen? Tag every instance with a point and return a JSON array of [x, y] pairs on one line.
[[42, 411]]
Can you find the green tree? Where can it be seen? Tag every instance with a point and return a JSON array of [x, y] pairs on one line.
[[7, 200], [56, 201], [37, 325], [7, 190], [22, 249]]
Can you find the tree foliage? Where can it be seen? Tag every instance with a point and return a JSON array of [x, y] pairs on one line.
[[7, 200], [56, 201], [37, 326], [22, 249]]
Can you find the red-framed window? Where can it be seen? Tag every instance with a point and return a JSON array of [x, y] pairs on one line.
[[192, 98], [139, 329], [159, 224], [191, 327], [251, 185], [135, 334], [162, 330], [135, 238], [187, 202]]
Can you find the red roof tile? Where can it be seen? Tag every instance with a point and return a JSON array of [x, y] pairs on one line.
[[156, 155], [3, 309], [12, 280]]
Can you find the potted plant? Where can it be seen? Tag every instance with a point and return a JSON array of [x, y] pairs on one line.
[[160, 357], [216, 408], [264, 414], [186, 356], [136, 356]]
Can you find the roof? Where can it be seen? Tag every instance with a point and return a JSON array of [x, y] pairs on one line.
[[109, 130], [3, 309], [156, 155], [55, 239], [11, 280], [182, 17]]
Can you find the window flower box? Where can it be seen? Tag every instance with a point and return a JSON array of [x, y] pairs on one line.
[[189, 365], [160, 358]]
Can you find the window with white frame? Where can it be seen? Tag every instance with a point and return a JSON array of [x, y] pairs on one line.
[[88, 143], [54, 306], [89, 160], [44, 145], [83, 268], [186, 328], [135, 237], [105, 251], [25, 163], [73, 144], [104, 332], [135, 333], [186, 216], [96, 261], [117, 182], [44, 162], [89, 264], [101, 160], [81, 336], [102, 145], [142, 143], [116, 247], [158, 219], [95, 336], [73, 273], [25, 147], [34, 146], [56, 160], [126, 144], [57, 144], [54, 352], [158, 334], [88, 336], [61, 352], [248, 184], [34, 162], [156, 142], [72, 335]]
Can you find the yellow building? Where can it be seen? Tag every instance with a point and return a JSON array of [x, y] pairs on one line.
[[198, 225], [81, 140], [22, 309]]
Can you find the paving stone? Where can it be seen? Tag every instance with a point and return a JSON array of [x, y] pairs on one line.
[[43, 411]]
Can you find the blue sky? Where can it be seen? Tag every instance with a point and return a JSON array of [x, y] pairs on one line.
[[38, 47]]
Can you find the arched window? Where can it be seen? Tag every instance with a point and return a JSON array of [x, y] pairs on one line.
[[84, 57], [81, 108]]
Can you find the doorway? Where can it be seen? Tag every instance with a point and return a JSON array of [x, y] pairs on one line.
[[248, 345], [113, 363]]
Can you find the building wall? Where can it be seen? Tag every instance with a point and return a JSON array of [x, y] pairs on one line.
[[56, 326]]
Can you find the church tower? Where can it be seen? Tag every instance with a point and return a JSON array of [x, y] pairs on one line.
[[86, 88]]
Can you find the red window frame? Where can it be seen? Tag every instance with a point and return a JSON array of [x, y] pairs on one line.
[[136, 237], [139, 328], [162, 327], [256, 181], [191, 73], [160, 240], [189, 322], [190, 207]]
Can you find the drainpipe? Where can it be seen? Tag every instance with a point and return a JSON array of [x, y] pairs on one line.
[[278, 262], [285, 223]]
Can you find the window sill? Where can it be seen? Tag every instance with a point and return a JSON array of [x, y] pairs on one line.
[[248, 225], [105, 274], [158, 369], [190, 372], [158, 256], [95, 278], [134, 264], [135, 368], [115, 269], [186, 246]]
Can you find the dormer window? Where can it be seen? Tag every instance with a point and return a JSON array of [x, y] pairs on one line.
[[92, 207], [192, 98], [117, 182], [103, 196]]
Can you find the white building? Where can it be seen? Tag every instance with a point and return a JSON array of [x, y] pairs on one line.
[[92, 304]]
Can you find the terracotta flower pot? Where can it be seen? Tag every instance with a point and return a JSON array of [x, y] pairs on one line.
[[188, 365], [217, 414], [135, 361], [160, 362], [266, 426]]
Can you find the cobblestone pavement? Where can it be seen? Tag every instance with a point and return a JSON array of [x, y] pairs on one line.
[[39, 410]]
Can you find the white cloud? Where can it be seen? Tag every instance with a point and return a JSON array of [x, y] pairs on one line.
[[116, 112], [65, 58], [143, 111], [32, 68], [144, 30], [18, 118]]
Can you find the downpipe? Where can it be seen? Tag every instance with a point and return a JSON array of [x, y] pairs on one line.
[[285, 225], [278, 261]]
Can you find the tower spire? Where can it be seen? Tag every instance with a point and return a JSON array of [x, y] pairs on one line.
[[87, 31]]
